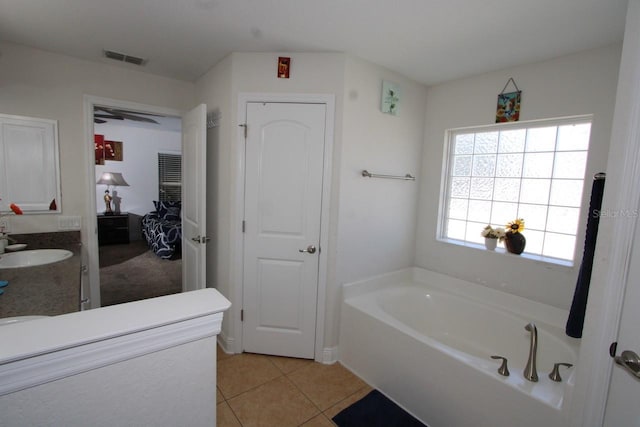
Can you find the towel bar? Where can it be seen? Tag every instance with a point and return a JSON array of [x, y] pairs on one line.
[[407, 177]]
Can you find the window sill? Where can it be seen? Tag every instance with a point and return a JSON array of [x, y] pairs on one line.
[[503, 252]]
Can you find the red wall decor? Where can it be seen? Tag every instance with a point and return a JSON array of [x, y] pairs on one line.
[[284, 64], [98, 141]]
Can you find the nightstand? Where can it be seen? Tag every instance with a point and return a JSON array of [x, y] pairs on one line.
[[113, 229]]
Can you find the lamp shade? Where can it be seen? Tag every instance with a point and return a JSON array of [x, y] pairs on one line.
[[112, 178]]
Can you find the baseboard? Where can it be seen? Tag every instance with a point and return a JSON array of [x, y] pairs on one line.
[[329, 355], [226, 343]]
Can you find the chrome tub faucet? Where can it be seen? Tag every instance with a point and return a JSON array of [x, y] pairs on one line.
[[530, 372]]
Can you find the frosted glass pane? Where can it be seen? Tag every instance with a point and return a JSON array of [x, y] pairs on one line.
[[502, 213], [574, 137], [535, 191], [563, 220], [538, 165], [535, 240], [541, 139], [459, 187], [486, 143], [481, 188], [509, 165], [559, 246], [458, 208], [507, 189], [456, 229], [473, 232], [570, 165], [512, 141], [535, 216], [566, 192], [463, 144], [484, 165], [479, 211], [462, 165]]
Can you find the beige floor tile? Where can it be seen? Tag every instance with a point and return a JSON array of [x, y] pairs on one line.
[[219, 396], [326, 385], [319, 421], [243, 372], [345, 403], [289, 364], [277, 403], [225, 417], [220, 354]]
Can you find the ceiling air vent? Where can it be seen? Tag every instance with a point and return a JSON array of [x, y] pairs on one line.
[[124, 58]]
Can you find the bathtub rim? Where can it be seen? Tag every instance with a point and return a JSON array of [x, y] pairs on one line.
[[514, 304]]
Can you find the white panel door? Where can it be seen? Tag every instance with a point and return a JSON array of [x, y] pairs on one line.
[[194, 224], [283, 197], [622, 403]]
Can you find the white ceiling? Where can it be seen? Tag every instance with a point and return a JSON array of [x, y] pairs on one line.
[[430, 41]]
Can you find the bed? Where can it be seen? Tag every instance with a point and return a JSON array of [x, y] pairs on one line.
[[162, 229]]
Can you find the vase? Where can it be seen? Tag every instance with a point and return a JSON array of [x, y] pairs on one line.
[[490, 244], [514, 242]]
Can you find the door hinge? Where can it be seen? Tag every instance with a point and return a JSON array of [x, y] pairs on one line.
[[244, 125], [244, 225], [242, 315], [613, 348]]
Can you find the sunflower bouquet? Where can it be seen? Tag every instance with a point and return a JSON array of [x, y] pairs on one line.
[[514, 240]]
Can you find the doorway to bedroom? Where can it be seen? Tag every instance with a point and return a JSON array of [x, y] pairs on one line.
[[138, 203]]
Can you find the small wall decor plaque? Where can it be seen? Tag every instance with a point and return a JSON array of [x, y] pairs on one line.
[[390, 98], [113, 150], [284, 64], [508, 109]]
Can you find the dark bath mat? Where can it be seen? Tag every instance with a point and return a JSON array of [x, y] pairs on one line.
[[375, 410]]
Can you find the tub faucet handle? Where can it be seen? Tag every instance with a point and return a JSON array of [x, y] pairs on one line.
[[555, 373], [502, 370]]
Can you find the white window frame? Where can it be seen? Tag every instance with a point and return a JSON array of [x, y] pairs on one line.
[[447, 175]]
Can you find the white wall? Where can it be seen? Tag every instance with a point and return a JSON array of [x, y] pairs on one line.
[[583, 83], [256, 72], [214, 89], [372, 223], [48, 85], [139, 165], [377, 217]]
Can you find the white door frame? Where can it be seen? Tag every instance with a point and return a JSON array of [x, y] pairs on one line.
[[91, 224], [615, 243], [236, 221]]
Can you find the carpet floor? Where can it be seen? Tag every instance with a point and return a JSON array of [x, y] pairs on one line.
[[132, 272]]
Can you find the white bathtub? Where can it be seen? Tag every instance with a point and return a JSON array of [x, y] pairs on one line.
[[425, 340]]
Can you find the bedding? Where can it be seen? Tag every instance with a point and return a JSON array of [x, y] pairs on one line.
[[162, 229]]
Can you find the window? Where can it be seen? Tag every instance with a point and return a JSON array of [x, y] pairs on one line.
[[169, 177], [534, 171]]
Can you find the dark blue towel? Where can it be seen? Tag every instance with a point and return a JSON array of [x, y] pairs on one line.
[[375, 410], [575, 321]]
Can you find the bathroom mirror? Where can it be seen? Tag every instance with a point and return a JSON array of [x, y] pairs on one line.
[[29, 164]]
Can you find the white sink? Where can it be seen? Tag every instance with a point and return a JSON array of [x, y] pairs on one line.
[[33, 258]]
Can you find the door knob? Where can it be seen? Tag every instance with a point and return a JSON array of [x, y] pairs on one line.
[[196, 239], [630, 361], [310, 249]]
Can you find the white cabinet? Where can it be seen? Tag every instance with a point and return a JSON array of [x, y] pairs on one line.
[[29, 166]]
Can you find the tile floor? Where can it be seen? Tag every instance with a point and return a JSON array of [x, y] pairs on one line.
[[259, 390]]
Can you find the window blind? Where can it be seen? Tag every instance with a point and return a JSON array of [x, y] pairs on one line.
[[169, 177]]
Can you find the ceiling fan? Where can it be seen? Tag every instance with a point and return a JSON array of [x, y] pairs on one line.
[[100, 114]]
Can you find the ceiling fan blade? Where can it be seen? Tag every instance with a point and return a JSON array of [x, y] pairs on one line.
[[129, 115], [108, 116], [137, 118]]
